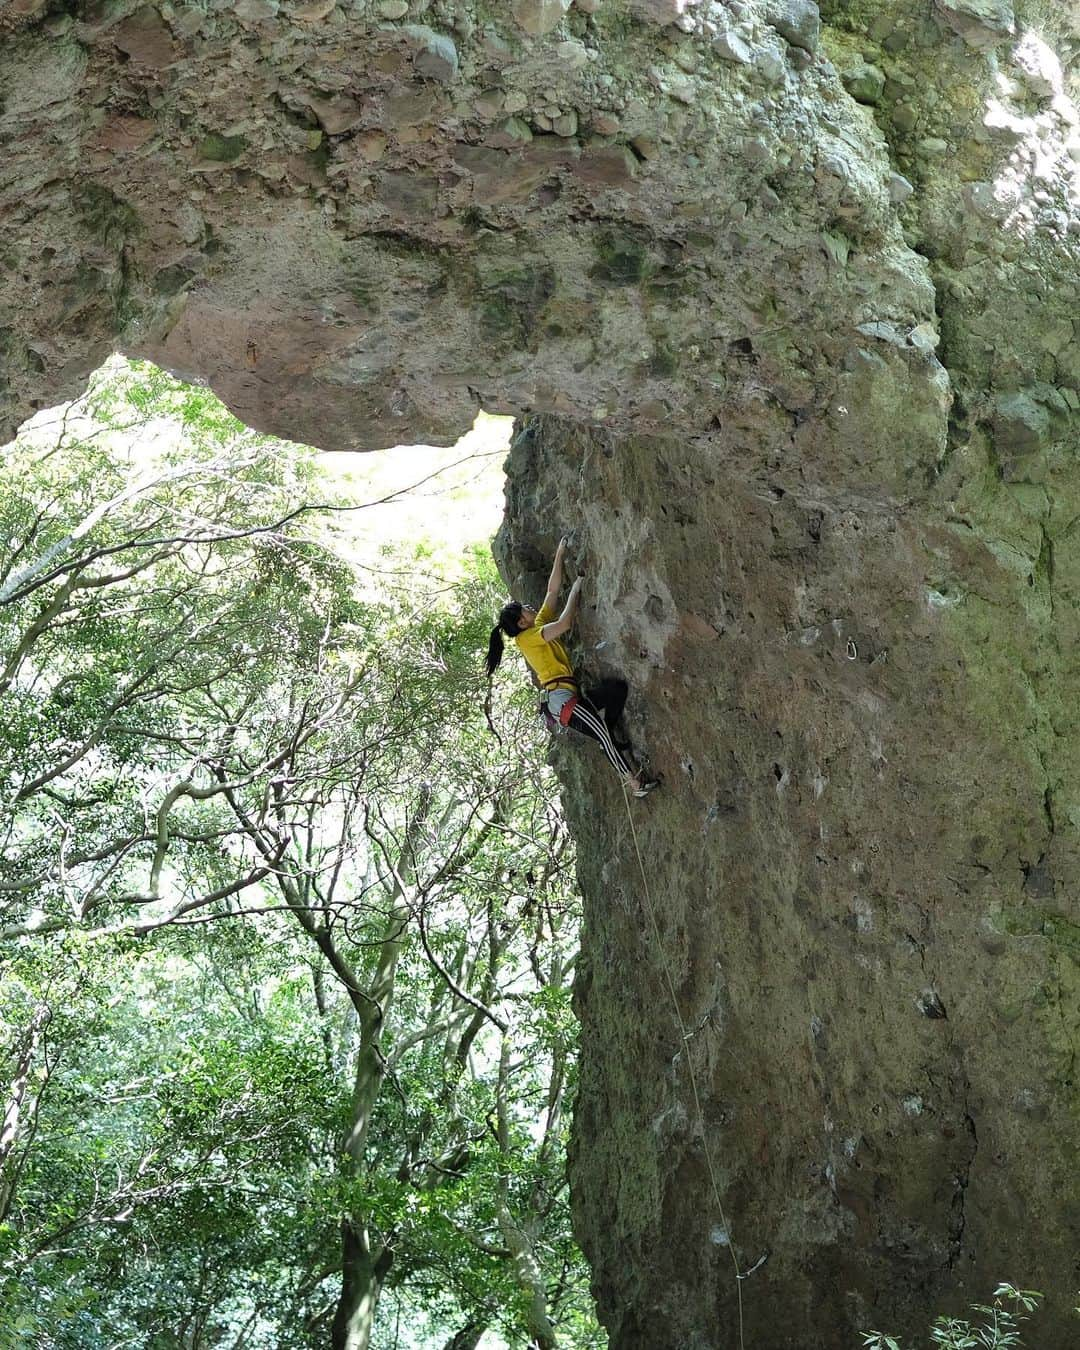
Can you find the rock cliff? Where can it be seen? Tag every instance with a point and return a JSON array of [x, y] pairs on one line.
[[786, 300]]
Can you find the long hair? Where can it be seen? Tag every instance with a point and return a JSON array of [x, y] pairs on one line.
[[509, 617]]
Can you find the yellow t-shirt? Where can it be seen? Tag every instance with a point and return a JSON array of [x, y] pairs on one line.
[[547, 660]]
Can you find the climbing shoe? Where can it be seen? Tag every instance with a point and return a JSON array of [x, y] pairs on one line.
[[649, 785]]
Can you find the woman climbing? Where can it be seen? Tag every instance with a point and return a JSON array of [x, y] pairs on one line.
[[594, 712]]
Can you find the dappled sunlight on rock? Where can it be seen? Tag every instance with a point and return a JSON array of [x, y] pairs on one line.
[[1039, 182]]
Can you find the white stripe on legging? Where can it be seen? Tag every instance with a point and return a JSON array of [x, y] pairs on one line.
[[599, 726]]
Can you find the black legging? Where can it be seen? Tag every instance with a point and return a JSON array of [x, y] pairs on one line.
[[596, 714]]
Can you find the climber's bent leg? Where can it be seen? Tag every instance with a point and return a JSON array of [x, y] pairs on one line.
[[609, 697], [589, 722]]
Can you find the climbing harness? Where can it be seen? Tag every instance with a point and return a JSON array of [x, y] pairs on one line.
[[561, 681], [687, 1036], [562, 721]]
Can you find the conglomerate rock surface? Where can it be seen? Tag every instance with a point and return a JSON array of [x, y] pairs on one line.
[[787, 302]]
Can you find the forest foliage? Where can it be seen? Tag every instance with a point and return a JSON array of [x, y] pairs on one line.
[[286, 936]]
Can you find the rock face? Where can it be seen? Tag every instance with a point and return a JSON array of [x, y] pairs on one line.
[[787, 301]]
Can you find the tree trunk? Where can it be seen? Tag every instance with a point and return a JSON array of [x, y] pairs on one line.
[[362, 1276], [468, 1338], [13, 1107], [362, 1273], [517, 1235], [530, 1278]]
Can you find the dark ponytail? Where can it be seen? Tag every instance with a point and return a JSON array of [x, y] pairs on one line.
[[495, 651], [509, 618]]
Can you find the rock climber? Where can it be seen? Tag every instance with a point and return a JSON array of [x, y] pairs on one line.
[[594, 712]]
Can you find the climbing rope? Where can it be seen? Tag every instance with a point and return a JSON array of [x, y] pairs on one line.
[[739, 1275]]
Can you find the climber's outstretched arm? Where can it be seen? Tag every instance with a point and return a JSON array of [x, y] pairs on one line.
[[564, 622], [554, 586]]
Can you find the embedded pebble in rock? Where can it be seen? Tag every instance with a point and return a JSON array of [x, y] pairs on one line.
[[758, 152], [255, 11], [574, 55], [1024, 421], [673, 83], [682, 87], [770, 66], [663, 12], [981, 23], [982, 198], [335, 115], [513, 132], [864, 82], [538, 17], [800, 59], [905, 117], [803, 381], [1039, 67], [731, 47], [488, 105], [798, 21], [686, 59], [314, 12], [371, 145], [900, 189], [436, 57]]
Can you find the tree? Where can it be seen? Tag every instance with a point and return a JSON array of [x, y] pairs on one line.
[[225, 773]]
